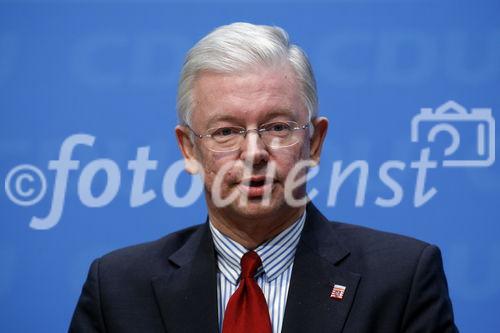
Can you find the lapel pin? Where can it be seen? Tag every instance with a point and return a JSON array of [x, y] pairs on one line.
[[338, 292]]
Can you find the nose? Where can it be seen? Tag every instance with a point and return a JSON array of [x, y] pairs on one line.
[[253, 150]]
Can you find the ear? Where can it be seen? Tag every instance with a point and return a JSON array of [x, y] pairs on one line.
[[320, 125], [186, 146]]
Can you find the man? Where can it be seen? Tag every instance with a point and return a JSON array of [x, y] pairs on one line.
[[265, 260]]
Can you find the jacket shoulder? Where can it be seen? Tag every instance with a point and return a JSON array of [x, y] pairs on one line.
[[361, 240], [362, 236], [375, 251], [148, 257]]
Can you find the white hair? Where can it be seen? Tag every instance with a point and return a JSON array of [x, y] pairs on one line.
[[239, 47]]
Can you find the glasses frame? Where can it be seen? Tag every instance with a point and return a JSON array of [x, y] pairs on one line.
[[244, 132]]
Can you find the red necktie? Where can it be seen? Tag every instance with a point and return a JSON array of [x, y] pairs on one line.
[[247, 309]]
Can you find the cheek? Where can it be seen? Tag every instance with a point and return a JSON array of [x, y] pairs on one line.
[[305, 152], [286, 161], [214, 163]]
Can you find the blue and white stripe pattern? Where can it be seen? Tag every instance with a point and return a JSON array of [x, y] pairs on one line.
[[273, 277]]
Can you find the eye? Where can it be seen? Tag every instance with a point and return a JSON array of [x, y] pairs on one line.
[[225, 131], [277, 127]]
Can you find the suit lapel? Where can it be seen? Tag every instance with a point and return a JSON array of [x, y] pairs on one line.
[[187, 295], [309, 305]]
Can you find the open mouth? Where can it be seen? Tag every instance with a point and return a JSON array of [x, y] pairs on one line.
[[256, 187], [255, 183]]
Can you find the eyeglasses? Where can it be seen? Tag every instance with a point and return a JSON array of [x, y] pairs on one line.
[[278, 134]]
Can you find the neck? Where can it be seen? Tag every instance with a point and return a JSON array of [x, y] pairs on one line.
[[253, 231]]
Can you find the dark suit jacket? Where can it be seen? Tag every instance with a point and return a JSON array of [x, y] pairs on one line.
[[393, 284]]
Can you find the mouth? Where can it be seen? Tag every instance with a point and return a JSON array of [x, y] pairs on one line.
[[256, 187]]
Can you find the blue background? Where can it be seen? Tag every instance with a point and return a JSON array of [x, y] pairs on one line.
[[110, 69]]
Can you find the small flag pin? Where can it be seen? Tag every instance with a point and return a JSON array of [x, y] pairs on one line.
[[338, 292]]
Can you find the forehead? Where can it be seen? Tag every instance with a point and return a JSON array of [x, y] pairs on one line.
[[248, 97]]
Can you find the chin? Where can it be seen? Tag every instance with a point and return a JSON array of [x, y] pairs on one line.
[[257, 208], [248, 206]]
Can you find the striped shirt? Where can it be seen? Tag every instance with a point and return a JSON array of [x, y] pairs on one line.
[[273, 277]]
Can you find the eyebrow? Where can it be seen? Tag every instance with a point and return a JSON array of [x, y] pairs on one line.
[[278, 113], [224, 117], [271, 114]]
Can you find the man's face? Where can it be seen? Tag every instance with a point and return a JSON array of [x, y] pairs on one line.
[[248, 100]]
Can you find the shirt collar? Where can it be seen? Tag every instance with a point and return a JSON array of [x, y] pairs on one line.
[[277, 254]]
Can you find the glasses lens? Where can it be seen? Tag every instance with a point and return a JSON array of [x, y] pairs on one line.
[[280, 134], [225, 138]]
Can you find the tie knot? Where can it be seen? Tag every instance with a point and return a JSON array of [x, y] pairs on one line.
[[249, 264]]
